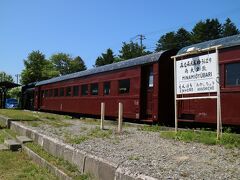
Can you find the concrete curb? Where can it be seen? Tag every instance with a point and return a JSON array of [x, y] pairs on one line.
[[6, 121], [125, 174], [99, 168], [43, 163]]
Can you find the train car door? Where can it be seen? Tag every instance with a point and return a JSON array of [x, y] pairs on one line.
[[41, 95], [37, 98], [147, 92]]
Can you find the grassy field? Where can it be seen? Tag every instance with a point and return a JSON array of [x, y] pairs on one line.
[[92, 133], [17, 165], [201, 136], [65, 166], [36, 118], [228, 139], [30, 115], [54, 123], [6, 134]]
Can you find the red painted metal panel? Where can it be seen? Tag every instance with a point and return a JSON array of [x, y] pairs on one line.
[[91, 104], [205, 110]]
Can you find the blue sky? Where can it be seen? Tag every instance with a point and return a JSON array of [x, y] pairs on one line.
[[88, 27]]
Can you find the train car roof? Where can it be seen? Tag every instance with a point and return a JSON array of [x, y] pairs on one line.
[[154, 57], [229, 41]]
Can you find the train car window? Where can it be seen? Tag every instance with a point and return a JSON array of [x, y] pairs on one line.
[[68, 91], [124, 86], [106, 88], [232, 74], [50, 93], [94, 89], [84, 90], [75, 90], [46, 93], [61, 92], [150, 80], [55, 92]]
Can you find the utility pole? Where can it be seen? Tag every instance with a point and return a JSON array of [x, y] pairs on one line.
[[141, 38], [17, 75]]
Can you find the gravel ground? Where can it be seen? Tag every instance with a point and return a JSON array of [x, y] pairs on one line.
[[141, 152]]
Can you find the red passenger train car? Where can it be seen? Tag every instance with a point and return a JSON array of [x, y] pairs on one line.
[[144, 85], [204, 111]]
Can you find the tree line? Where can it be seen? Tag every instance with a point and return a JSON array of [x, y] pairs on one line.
[[38, 68], [203, 31]]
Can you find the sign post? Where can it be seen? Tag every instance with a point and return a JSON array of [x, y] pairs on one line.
[[199, 74], [175, 97], [219, 117]]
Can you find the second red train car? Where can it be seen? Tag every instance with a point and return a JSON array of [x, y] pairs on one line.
[[144, 86]]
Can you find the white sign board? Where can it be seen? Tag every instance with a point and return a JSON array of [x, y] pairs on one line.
[[197, 74]]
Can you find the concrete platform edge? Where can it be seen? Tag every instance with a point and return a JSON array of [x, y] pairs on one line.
[[86, 163], [43, 163]]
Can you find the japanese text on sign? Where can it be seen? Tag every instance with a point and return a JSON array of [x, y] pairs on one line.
[[197, 74]]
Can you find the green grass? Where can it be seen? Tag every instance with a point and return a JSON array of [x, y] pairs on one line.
[[23, 170], [2, 125], [65, 166], [30, 115], [54, 123], [93, 133], [34, 123], [57, 123], [134, 158], [10, 133], [17, 166], [18, 114], [35, 118], [93, 121], [6, 134], [51, 116], [2, 136], [155, 128], [228, 140], [90, 121]]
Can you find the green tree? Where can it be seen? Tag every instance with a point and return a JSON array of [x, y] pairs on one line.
[[37, 68], [5, 77], [132, 50], [229, 28], [206, 30], [14, 93], [167, 41], [49, 71], [183, 38], [65, 64], [61, 62], [105, 58], [77, 64], [174, 40]]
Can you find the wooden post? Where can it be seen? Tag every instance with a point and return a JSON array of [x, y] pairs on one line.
[[120, 117], [219, 120], [175, 95], [102, 115]]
